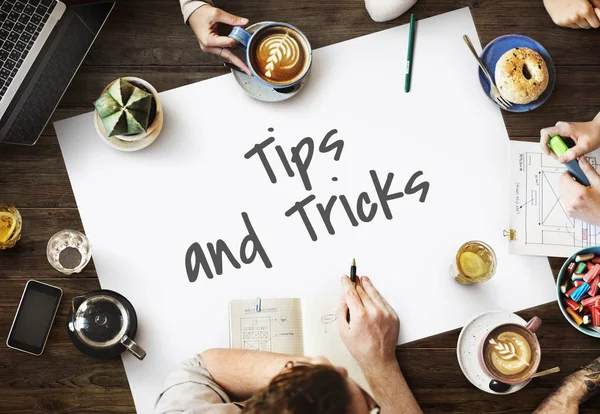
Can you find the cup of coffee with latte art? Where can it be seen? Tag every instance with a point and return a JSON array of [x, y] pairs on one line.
[[511, 352], [278, 54]]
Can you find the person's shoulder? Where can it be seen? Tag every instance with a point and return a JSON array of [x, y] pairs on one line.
[[192, 390]]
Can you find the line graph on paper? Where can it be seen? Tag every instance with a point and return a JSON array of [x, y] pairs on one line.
[[538, 213]]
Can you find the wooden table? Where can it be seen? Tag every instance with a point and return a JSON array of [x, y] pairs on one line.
[[147, 38]]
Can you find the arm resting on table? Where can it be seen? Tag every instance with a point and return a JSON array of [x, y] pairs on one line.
[[574, 390]]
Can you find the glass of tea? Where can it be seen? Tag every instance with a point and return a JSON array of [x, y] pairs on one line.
[[475, 263], [69, 251], [10, 226]]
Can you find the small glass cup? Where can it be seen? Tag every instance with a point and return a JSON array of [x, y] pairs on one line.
[[69, 251], [475, 263], [10, 226]]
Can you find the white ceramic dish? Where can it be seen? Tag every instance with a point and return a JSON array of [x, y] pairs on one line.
[[467, 348]]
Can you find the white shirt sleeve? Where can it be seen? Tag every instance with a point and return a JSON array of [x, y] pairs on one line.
[[190, 6]]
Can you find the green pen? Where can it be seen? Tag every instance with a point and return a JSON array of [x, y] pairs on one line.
[[409, 56]]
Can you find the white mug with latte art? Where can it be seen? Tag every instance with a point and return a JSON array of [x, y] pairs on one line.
[[278, 54]]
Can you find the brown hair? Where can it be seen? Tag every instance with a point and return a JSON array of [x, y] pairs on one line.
[[302, 389]]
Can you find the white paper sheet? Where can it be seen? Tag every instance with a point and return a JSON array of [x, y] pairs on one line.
[[537, 212], [143, 210]]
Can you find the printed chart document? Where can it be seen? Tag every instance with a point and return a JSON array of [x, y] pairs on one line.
[[304, 327], [538, 216], [277, 203]]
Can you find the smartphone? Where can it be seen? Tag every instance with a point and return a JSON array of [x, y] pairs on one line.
[[35, 316]]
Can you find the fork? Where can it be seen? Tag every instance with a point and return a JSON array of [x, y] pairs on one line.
[[496, 95]]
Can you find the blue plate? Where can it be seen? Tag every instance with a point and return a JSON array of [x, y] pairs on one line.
[[497, 47]]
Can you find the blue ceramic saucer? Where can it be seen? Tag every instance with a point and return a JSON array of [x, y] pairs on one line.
[[497, 47]]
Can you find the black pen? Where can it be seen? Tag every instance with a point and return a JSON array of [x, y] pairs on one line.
[[353, 280]]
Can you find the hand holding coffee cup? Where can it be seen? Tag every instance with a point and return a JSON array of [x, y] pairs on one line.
[[204, 21], [511, 352], [278, 54]]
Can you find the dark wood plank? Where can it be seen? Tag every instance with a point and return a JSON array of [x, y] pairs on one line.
[[66, 400]]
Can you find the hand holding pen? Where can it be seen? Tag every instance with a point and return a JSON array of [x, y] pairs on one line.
[[372, 334]]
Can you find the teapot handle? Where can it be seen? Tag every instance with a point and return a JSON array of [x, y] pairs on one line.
[[132, 347]]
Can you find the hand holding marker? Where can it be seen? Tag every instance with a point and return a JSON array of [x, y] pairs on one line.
[[559, 147]]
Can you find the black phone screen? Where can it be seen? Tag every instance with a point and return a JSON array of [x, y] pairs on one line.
[[34, 317]]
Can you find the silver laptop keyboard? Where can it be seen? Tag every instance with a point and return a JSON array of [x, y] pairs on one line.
[[20, 24]]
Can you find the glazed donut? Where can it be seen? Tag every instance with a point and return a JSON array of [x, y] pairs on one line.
[[521, 75]]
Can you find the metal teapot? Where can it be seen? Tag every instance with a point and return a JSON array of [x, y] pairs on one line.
[[103, 324]]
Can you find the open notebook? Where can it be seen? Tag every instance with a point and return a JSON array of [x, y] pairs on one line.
[[305, 327]]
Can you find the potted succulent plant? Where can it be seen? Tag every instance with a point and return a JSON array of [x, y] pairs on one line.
[[128, 114]]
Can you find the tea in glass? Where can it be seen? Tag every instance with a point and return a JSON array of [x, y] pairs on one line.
[[475, 263], [10, 226]]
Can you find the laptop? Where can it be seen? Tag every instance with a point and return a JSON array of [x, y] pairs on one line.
[[42, 44]]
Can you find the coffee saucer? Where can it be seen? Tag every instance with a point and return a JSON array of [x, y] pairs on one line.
[[256, 88], [467, 348]]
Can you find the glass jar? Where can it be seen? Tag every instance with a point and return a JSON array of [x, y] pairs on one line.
[[10, 226], [475, 263], [69, 251]]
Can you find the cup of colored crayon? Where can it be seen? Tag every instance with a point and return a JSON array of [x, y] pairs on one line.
[[578, 290]]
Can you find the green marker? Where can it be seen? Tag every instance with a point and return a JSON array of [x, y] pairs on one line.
[[409, 56], [558, 146]]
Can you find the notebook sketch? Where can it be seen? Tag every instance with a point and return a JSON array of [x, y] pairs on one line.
[[537, 212], [292, 326], [276, 328], [256, 333]]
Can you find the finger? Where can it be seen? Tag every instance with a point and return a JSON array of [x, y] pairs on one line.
[[573, 26], [583, 23], [230, 19], [373, 293], [589, 171], [579, 150], [567, 184], [230, 56], [365, 299], [592, 18], [227, 54], [545, 135], [220, 41], [562, 129], [342, 314], [597, 10], [595, 3], [351, 297]]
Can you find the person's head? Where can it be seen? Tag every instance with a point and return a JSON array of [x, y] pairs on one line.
[[315, 388]]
